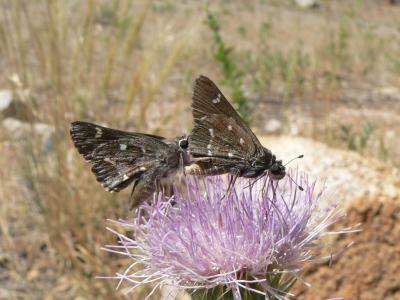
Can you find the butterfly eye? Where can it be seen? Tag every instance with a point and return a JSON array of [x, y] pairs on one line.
[[274, 168], [183, 143]]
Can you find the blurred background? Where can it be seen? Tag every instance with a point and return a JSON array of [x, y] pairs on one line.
[[320, 78]]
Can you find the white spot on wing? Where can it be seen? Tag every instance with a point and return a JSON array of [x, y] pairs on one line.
[[142, 169], [122, 147], [211, 132], [106, 187], [99, 132], [125, 177], [209, 153], [229, 127], [230, 154], [209, 146], [241, 141], [217, 100]]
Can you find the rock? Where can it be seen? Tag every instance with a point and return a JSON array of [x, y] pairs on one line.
[[5, 99], [12, 108], [23, 131], [273, 126], [307, 3], [387, 91], [348, 174]]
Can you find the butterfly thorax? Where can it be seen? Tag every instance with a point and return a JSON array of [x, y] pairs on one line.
[[177, 156]]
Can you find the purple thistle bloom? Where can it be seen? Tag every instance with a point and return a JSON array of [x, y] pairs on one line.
[[204, 237]]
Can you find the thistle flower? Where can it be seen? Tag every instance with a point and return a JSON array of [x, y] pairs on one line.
[[253, 239]]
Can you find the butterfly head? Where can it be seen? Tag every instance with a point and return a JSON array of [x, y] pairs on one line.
[[183, 143], [277, 170]]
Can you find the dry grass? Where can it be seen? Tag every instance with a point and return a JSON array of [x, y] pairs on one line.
[[130, 65]]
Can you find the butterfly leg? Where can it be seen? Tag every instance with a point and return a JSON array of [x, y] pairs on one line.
[[232, 180], [263, 191], [182, 164]]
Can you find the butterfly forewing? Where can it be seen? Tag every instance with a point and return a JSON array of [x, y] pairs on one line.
[[219, 136], [208, 100], [220, 141], [116, 168]]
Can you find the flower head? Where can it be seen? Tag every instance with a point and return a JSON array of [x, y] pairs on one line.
[[205, 237]]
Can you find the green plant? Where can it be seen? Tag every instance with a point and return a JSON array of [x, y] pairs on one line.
[[262, 66], [232, 75], [291, 68], [338, 46], [357, 140], [394, 62]]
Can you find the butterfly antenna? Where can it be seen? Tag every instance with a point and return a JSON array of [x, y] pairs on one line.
[[297, 157], [296, 184]]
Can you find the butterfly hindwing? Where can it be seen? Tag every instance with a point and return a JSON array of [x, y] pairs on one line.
[[118, 158], [116, 168], [88, 136]]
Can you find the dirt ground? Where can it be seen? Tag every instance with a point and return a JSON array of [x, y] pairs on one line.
[[369, 268]]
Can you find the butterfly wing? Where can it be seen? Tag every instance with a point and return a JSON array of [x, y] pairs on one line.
[[208, 100], [220, 136], [220, 140], [118, 158]]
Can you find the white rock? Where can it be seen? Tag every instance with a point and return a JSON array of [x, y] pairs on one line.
[[21, 131], [43, 129], [348, 173], [5, 99], [306, 3], [389, 91], [14, 125], [273, 126]]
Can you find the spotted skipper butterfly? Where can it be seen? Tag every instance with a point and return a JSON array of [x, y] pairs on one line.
[[221, 142], [122, 158]]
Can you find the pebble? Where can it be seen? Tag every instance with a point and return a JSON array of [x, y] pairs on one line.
[[307, 3], [5, 99]]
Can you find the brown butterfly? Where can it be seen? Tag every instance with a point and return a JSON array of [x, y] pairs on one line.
[[122, 158], [221, 142]]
